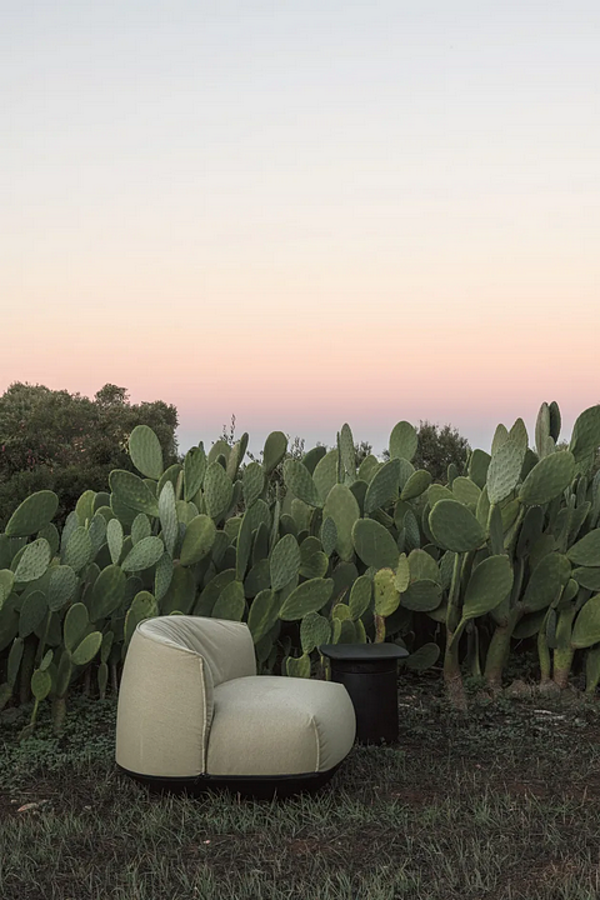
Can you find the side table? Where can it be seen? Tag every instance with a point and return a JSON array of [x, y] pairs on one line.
[[369, 672]]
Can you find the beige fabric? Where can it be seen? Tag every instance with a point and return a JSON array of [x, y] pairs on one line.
[[190, 703], [157, 734], [271, 725]]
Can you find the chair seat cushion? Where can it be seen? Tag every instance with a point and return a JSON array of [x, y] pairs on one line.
[[271, 725]]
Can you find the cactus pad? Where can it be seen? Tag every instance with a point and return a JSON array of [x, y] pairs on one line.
[[454, 527], [489, 585], [146, 452], [299, 481], [143, 555], [586, 552], [383, 488], [342, 507], [33, 561], [374, 544], [403, 441], [218, 491], [285, 561], [274, 450], [310, 596], [32, 514]]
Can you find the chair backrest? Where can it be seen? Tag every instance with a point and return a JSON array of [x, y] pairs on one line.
[[226, 647], [166, 695]]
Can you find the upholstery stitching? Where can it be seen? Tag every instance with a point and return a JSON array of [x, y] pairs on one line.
[[205, 716], [316, 730]]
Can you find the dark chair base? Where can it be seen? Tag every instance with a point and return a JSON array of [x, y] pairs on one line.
[[254, 787]]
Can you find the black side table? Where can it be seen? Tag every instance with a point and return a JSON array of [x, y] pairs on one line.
[[369, 672]]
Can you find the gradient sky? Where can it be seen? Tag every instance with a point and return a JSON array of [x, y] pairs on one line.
[[304, 213]]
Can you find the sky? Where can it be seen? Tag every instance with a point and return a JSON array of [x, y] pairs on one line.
[[304, 213]]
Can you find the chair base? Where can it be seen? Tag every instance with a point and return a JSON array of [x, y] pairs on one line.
[[250, 786]]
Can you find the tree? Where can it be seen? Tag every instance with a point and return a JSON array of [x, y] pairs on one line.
[[438, 447], [68, 443]]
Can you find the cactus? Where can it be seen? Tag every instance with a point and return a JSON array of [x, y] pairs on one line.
[[62, 587], [314, 631], [424, 658], [454, 527], [383, 488], [84, 508], [108, 593], [231, 603], [297, 668], [285, 561], [194, 469], [181, 593], [218, 491], [264, 612], [504, 470], [403, 441], [310, 596], [416, 484], [32, 514], [360, 597], [585, 437], [548, 479], [87, 649], [79, 549], [374, 544], [586, 552], [169, 522], [145, 452], [479, 463], [313, 562], [299, 480], [586, 630], [253, 483], [32, 561], [325, 475], [143, 606], [274, 450], [131, 492], [342, 507], [143, 555], [199, 540]]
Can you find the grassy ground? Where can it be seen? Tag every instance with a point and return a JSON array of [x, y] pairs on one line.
[[502, 804]]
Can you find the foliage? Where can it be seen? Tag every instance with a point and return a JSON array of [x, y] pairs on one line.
[[438, 448], [68, 443], [308, 548]]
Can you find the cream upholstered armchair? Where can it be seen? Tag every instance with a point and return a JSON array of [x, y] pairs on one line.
[[193, 713]]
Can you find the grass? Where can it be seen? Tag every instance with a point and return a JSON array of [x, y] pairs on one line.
[[503, 803]]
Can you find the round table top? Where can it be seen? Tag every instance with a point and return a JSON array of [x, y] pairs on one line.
[[366, 652]]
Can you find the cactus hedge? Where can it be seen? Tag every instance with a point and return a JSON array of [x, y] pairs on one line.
[[314, 550]]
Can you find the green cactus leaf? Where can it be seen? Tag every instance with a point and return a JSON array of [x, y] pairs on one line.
[[253, 483], [313, 562], [437, 492], [87, 649], [32, 514], [285, 561], [50, 533], [422, 566], [75, 625], [194, 469], [108, 639], [403, 441], [79, 549], [326, 473], [548, 479], [169, 521], [258, 578], [359, 600], [424, 595], [143, 555], [174, 474], [181, 593], [132, 492], [33, 612], [387, 598], [97, 533], [146, 452], [465, 491], [218, 491], [518, 434], [423, 658], [264, 612], [383, 488], [41, 684], [500, 436], [585, 438], [341, 611], [488, 586], [163, 575], [416, 485], [310, 596], [479, 463], [374, 544], [84, 508], [454, 527], [231, 604], [236, 456], [274, 450], [14, 661], [347, 452], [143, 606], [114, 538], [140, 528], [33, 561], [299, 481], [588, 578], [342, 507], [243, 547], [108, 593], [402, 579], [586, 552], [313, 457], [298, 668], [62, 587], [328, 535], [586, 630], [368, 467], [314, 631], [7, 580], [504, 470]]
